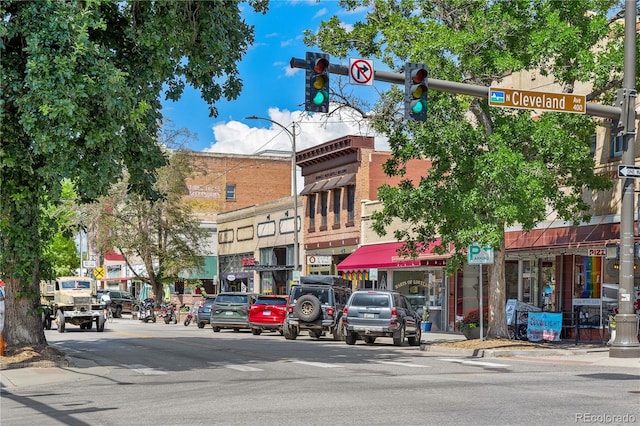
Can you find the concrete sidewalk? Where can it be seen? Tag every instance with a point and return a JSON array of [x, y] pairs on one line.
[[563, 352]]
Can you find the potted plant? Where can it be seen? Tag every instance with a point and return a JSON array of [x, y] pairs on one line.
[[469, 325], [425, 324]]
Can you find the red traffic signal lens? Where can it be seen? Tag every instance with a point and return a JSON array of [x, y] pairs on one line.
[[321, 65], [418, 76]]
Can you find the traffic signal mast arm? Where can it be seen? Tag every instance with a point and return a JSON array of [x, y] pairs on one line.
[[592, 109]]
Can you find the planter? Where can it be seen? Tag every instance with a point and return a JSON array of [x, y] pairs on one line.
[[474, 333], [426, 326]]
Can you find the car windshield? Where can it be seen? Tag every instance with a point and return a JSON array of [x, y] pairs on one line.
[[75, 284], [323, 294], [276, 301], [232, 298], [368, 299]]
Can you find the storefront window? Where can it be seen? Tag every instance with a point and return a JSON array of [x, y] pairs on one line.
[[588, 270]]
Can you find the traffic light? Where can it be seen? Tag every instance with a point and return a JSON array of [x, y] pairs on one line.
[[415, 92], [317, 83]]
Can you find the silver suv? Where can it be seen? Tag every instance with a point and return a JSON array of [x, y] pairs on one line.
[[316, 305], [371, 314]]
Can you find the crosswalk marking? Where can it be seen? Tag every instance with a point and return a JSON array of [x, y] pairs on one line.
[[317, 364], [477, 363], [240, 367], [144, 370], [402, 364]]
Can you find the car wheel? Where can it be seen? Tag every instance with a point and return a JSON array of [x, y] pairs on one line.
[[118, 312], [60, 322], [338, 331], [200, 324], [100, 323], [256, 331], [415, 340], [216, 329], [350, 338], [308, 308], [398, 338], [369, 340], [288, 332]]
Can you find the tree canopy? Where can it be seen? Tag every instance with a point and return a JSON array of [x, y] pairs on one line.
[[81, 86], [492, 167]]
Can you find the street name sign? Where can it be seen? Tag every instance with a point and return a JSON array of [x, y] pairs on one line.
[[628, 171], [527, 99]]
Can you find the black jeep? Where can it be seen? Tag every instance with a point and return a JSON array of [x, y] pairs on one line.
[[316, 305]]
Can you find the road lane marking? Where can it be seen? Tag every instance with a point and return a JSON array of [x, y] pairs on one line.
[[240, 367], [317, 364], [402, 364], [478, 363], [144, 370]]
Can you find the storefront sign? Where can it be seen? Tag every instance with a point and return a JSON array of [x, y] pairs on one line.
[[544, 326], [597, 252], [249, 261], [317, 260]]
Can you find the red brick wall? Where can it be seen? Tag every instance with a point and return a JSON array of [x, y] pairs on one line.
[[258, 179]]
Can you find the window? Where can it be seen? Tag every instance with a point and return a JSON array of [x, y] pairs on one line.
[[323, 208], [593, 141], [312, 211], [337, 193], [616, 141], [351, 201], [230, 193]]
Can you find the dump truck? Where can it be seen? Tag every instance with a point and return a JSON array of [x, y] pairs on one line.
[[71, 300]]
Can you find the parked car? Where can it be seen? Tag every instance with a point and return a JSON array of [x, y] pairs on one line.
[[121, 302], [376, 313], [268, 314], [203, 315], [316, 305], [231, 310]]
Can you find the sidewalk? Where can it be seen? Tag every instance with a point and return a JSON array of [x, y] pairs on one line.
[[564, 351]]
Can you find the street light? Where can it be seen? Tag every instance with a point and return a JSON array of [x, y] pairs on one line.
[[292, 135]]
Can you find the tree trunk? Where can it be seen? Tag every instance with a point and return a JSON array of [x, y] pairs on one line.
[[22, 322], [497, 325]]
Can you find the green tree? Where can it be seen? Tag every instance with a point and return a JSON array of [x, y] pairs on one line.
[[81, 85], [492, 167], [162, 235]]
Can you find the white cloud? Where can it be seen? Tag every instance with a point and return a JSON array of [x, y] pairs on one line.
[[311, 130], [234, 137]]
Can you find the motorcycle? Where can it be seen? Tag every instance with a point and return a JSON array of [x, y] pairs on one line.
[[190, 316], [168, 313], [145, 310]]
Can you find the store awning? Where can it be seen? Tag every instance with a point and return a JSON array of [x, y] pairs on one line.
[[328, 184], [385, 256]]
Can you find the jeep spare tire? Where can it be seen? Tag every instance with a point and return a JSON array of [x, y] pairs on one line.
[[308, 308]]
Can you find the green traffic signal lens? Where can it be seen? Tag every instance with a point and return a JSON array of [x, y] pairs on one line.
[[419, 106], [320, 97]]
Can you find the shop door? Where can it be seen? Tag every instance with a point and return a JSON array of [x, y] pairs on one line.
[[436, 293]]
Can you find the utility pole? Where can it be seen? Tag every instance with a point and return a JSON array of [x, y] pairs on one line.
[[626, 343]]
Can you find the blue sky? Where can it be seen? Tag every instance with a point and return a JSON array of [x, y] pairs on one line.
[[278, 37]]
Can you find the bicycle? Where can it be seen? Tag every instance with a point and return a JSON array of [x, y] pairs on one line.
[[108, 314]]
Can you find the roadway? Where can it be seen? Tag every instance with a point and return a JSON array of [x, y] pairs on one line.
[[143, 374]]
